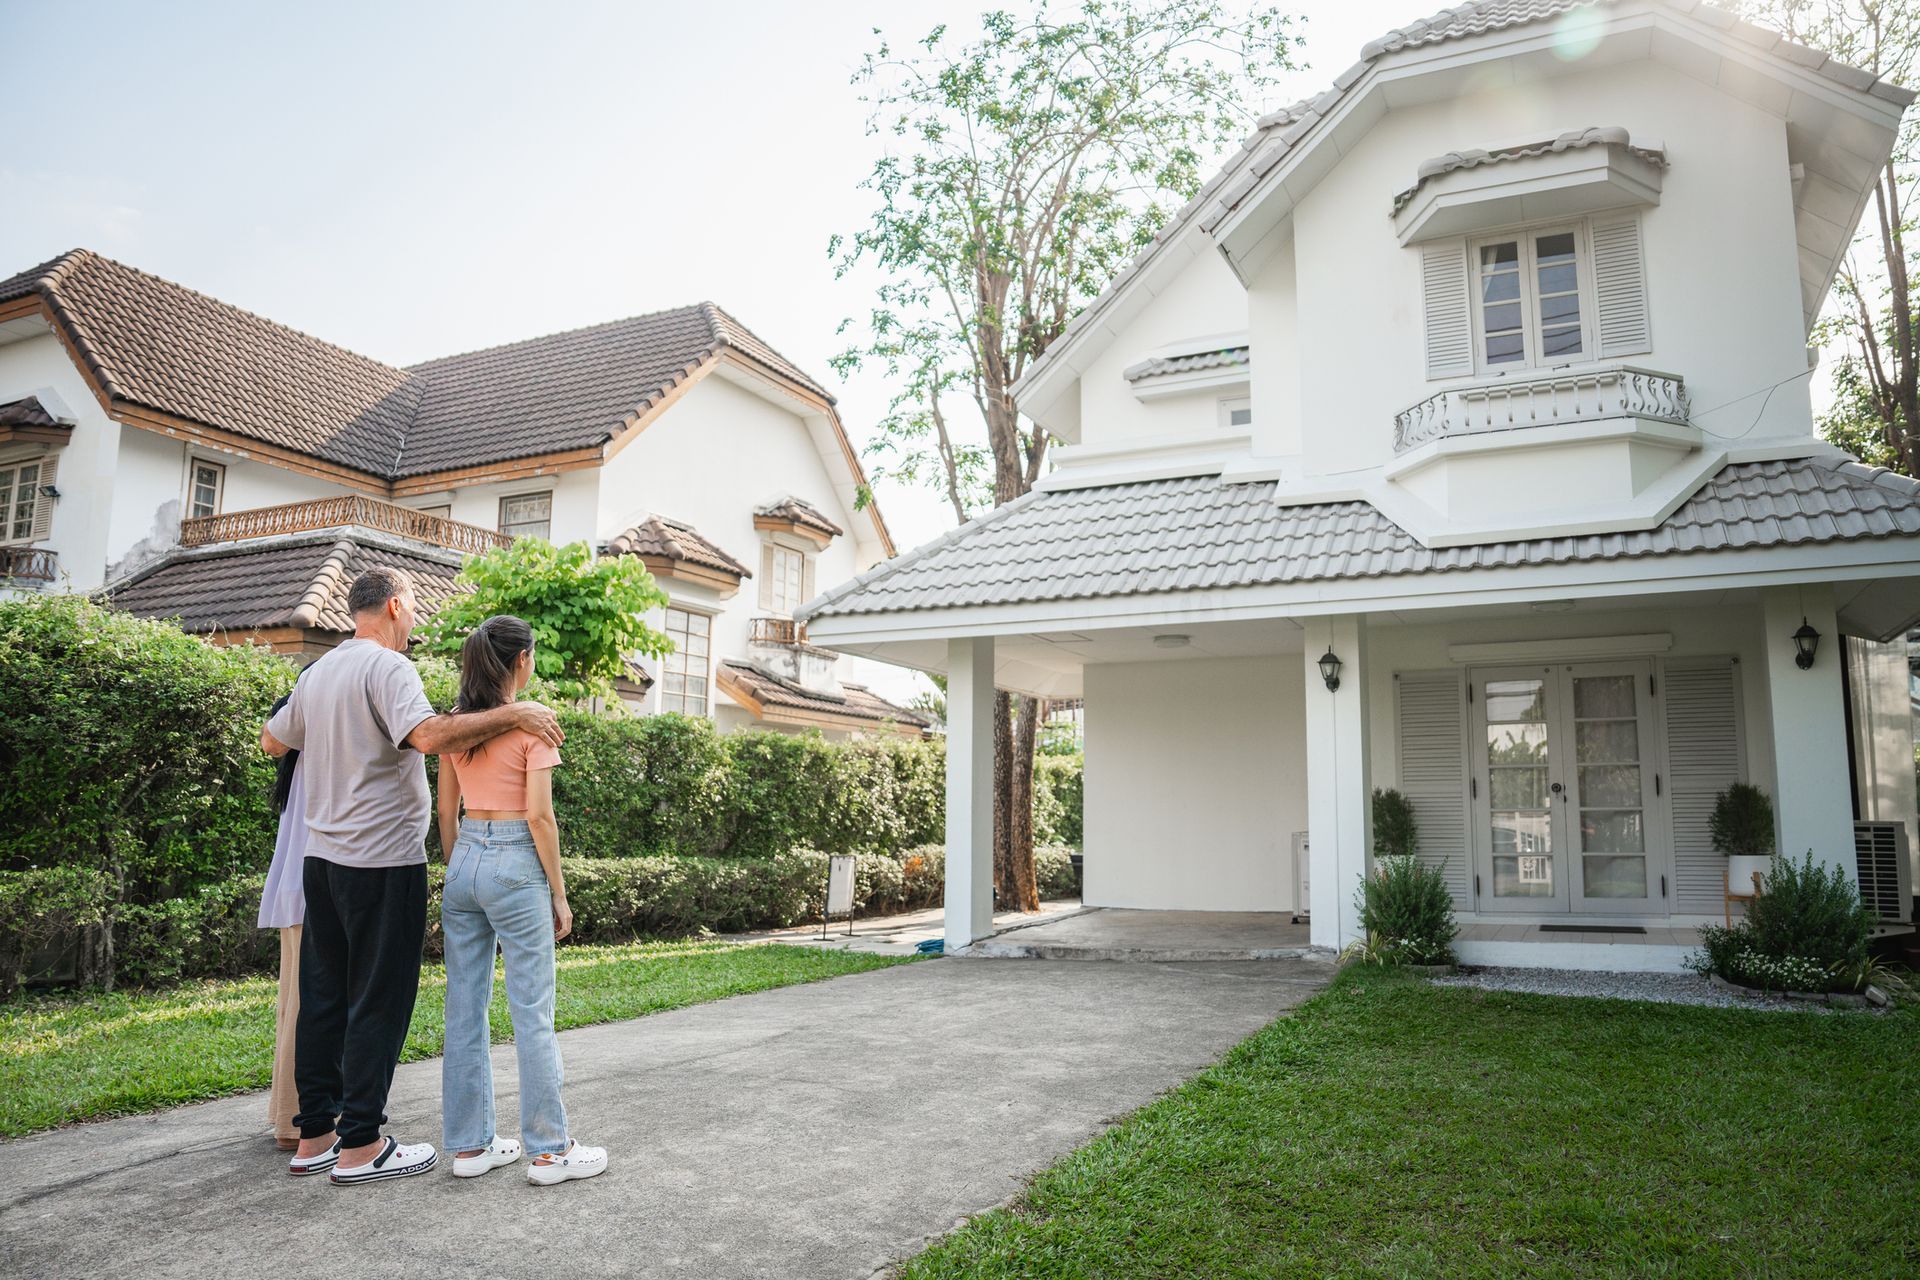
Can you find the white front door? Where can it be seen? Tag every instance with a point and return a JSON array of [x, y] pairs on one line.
[[1566, 812]]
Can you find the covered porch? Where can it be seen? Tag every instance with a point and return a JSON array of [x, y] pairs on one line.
[[1561, 715]]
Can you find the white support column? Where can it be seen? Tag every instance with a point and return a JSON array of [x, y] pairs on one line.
[[1814, 803], [1339, 786], [969, 877]]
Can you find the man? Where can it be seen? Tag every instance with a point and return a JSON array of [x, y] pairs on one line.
[[363, 725]]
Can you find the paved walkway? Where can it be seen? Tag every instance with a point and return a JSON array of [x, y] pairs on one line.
[[898, 935], [813, 1131]]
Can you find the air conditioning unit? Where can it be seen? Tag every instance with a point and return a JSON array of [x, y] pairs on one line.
[[1302, 904], [1883, 868]]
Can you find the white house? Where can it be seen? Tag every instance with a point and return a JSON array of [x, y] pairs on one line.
[[191, 460], [1457, 439]]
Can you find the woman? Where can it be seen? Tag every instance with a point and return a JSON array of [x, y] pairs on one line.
[[283, 906], [503, 884]]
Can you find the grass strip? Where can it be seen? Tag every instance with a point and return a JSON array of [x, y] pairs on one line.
[[84, 1056], [1392, 1128]]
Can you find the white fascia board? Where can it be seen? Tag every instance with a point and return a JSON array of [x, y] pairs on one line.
[[1057, 373], [1161, 386], [1853, 561], [1164, 457]]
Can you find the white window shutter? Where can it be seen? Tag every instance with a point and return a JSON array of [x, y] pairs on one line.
[[766, 575], [1448, 305], [1704, 752], [1432, 710], [43, 505], [1620, 289], [806, 580]]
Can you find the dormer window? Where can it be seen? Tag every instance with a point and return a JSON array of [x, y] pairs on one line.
[[209, 482], [788, 572], [1528, 296]]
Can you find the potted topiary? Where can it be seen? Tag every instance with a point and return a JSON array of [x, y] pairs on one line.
[[1742, 828]]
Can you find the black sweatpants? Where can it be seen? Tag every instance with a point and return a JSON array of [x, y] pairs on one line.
[[359, 974]]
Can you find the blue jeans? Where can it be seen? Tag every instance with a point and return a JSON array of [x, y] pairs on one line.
[[497, 891]]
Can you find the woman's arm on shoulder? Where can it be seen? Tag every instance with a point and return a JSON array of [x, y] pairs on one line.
[[546, 841], [449, 806]]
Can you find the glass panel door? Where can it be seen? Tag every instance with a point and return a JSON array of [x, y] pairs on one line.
[[1517, 785], [1611, 797]]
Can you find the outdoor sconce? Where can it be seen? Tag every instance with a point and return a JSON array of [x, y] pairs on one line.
[[1805, 641], [1330, 669], [48, 491]]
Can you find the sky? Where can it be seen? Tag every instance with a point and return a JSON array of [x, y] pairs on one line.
[[411, 180]]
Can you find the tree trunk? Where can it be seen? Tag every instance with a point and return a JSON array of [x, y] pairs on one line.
[[1003, 847], [1026, 889]]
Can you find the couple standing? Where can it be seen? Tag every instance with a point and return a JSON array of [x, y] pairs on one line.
[[362, 726]]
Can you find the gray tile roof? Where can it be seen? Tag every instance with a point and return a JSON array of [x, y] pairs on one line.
[[1191, 362], [1572, 140], [1280, 132], [1198, 534], [675, 540], [298, 582], [165, 347]]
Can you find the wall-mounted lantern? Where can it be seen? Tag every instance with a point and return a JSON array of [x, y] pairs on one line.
[[1805, 642], [1330, 669]]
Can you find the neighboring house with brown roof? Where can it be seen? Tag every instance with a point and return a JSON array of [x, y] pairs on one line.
[[1457, 439], [193, 460]]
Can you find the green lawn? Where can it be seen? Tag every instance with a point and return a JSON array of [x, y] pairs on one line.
[[1392, 1128], [66, 1058]]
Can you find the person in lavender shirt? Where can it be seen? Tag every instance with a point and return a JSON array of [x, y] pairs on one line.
[[283, 906]]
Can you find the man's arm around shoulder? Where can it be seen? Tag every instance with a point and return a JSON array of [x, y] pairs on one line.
[[438, 735]]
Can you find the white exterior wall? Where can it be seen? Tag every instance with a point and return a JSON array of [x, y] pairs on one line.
[[1273, 322], [1203, 299], [79, 535], [1725, 216], [1195, 783], [718, 453]]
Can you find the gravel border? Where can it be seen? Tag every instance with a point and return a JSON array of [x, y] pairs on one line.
[[1660, 988]]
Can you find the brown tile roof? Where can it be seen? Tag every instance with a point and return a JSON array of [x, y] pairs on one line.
[[161, 346], [165, 347], [300, 582], [25, 413], [859, 702], [569, 390], [675, 540], [800, 512]]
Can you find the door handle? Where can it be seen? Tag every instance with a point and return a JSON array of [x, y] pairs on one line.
[[1560, 791]]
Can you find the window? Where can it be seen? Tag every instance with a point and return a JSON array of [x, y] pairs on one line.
[[203, 495], [1528, 289], [789, 577], [19, 500], [1236, 413], [527, 515], [684, 671]]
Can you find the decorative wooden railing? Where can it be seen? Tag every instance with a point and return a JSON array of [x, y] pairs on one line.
[[1561, 396], [777, 631], [28, 564], [333, 513]]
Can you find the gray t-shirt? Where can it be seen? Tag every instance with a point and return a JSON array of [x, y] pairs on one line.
[[367, 803]]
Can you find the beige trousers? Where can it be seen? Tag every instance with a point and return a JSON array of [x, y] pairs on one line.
[[283, 1103]]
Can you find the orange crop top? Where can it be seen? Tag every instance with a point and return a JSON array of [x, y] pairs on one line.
[[494, 776]]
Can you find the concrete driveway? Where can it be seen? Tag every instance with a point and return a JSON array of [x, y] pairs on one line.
[[822, 1130]]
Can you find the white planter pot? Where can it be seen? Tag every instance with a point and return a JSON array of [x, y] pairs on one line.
[[1741, 869]]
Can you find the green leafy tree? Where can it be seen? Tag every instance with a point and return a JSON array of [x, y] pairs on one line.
[[587, 612], [1873, 313], [1022, 169]]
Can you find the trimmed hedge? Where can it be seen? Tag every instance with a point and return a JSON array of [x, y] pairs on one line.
[[42, 909], [210, 933]]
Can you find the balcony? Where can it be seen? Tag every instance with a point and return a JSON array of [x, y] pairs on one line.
[[776, 631], [28, 566], [1561, 397], [334, 513]]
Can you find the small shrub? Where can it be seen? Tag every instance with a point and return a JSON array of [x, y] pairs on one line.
[[47, 908], [1396, 832], [208, 933], [1059, 796], [1053, 871], [1407, 912], [1742, 821], [1810, 910]]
